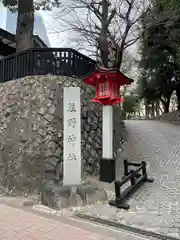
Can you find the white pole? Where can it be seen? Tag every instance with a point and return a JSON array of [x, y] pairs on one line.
[[72, 136], [107, 135]]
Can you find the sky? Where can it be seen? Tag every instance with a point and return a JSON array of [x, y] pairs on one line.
[[57, 38], [63, 39]]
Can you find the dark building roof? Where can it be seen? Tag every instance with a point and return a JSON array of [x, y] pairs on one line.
[[8, 42]]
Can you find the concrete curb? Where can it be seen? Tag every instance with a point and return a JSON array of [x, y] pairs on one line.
[[120, 226], [84, 225]]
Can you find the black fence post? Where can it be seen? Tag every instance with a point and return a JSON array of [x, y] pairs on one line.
[[132, 177], [3, 72], [32, 62], [144, 170], [126, 173], [117, 189]]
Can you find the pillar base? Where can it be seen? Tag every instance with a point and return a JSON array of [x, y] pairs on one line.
[[107, 170]]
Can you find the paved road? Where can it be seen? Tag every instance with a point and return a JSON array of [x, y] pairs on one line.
[[157, 205], [17, 224]]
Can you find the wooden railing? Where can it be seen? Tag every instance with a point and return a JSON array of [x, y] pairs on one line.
[[136, 177], [42, 61]]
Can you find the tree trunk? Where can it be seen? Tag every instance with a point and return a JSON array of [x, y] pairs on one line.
[[178, 96], [25, 25], [146, 109], [167, 98], [152, 110], [103, 41], [166, 108], [157, 108], [166, 105], [118, 60]]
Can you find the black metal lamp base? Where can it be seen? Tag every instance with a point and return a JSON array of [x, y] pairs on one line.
[[107, 170], [121, 205]]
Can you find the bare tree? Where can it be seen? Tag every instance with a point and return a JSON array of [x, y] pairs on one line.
[[108, 27]]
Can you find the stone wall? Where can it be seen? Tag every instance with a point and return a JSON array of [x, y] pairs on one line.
[[31, 129]]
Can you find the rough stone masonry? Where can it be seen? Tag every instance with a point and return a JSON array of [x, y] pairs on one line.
[[31, 129]]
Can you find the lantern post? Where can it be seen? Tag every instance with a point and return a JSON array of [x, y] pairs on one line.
[[107, 83], [107, 132]]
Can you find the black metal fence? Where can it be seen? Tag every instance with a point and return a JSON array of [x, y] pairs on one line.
[[136, 177], [41, 61]]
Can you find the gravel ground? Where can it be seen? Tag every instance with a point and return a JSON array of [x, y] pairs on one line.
[[156, 206]]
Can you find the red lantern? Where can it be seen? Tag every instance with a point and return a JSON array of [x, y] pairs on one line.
[[107, 83]]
